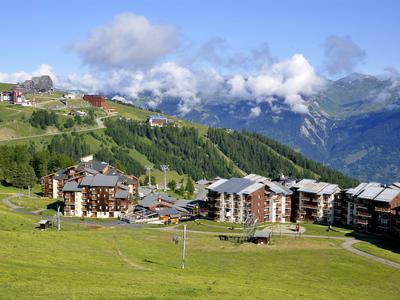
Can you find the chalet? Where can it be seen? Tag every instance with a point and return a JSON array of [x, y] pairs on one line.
[[371, 207], [235, 199], [314, 201], [157, 120], [163, 208]]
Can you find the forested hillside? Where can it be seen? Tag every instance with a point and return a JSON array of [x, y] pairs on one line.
[[130, 144], [257, 154]]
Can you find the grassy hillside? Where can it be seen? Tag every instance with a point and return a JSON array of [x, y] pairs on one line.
[[188, 148], [99, 261], [6, 87]]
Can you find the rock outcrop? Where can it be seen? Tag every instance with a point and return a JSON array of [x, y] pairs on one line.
[[37, 84]]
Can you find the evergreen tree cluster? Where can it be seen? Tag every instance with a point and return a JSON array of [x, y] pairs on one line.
[[254, 153], [22, 166], [182, 148], [42, 118], [120, 158], [74, 146]]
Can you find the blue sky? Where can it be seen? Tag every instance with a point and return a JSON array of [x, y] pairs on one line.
[[40, 32]]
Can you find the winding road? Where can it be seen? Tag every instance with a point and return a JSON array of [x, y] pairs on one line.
[[347, 244]]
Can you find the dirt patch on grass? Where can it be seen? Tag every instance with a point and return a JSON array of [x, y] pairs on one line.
[[94, 226], [6, 133]]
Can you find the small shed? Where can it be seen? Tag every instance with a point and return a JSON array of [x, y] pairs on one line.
[[262, 236], [44, 224]]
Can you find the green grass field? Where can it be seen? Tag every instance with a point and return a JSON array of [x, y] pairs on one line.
[[93, 261], [380, 252]]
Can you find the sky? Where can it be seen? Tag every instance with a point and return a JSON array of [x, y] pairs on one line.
[[146, 45]]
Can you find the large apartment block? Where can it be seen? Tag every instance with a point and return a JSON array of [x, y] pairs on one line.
[[91, 189], [235, 199], [53, 184], [314, 201], [99, 196], [371, 207]]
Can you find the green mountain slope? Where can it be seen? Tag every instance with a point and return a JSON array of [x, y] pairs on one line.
[[189, 149]]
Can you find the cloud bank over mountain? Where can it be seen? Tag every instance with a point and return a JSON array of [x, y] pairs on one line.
[[130, 57]]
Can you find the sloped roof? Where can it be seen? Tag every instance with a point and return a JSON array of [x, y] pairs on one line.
[[101, 180], [361, 187], [217, 183], [169, 212], [256, 177], [123, 194], [313, 187], [370, 192], [152, 199], [71, 186], [387, 195], [278, 188], [265, 233], [237, 186], [87, 180]]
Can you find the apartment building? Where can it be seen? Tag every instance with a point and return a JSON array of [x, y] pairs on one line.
[[278, 202], [372, 207], [98, 196], [314, 201], [278, 199], [53, 184], [233, 200]]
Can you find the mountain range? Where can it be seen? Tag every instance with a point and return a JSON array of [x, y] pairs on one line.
[[353, 124]]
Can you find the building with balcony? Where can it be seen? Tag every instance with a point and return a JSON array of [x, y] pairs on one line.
[[314, 201], [233, 200], [371, 207], [98, 196]]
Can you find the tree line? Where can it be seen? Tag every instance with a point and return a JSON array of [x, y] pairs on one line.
[[23, 166]]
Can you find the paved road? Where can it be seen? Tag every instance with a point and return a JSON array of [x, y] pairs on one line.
[[347, 241]]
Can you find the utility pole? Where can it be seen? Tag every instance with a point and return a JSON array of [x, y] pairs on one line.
[[58, 218], [165, 168], [29, 191], [184, 247], [148, 169]]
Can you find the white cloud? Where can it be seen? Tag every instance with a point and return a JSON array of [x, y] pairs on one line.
[[290, 80], [255, 112], [129, 41], [21, 76], [283, 85], [237, 86]]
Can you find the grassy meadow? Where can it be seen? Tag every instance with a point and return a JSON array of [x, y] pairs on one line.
[[93, 261]]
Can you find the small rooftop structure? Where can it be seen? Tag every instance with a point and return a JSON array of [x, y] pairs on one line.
[[44, 224], [262, 236]]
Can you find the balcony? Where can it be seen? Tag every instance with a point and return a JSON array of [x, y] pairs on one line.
[[363, 214], [310, 206], [382, 209], [362, 222]]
